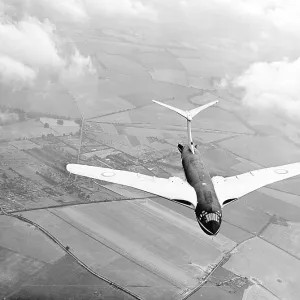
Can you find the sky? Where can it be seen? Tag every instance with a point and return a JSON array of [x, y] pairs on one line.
[[259, 35]]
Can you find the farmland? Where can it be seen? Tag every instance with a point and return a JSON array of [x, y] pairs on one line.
[[150, 247]]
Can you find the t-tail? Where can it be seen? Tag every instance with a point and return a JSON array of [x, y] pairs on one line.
[[189, 115]]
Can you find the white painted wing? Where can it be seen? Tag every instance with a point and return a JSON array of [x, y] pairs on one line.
[[179, 111], [237, 186], [173, 188], [195, 111]]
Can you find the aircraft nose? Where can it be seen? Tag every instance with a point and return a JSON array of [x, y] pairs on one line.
[[210, 222], [212, 227]]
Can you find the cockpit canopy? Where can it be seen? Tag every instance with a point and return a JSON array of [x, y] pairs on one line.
[[212, 217], [210, 222]]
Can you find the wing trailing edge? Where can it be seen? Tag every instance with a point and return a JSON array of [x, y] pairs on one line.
[[173, 188]]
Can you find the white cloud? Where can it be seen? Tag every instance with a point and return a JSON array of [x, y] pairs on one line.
[[26, 48], [77, 68], [66, 10], [72, 9], [7, 117], [272, 86], [31, 47], [15, 73], [133, 8], [283, 14], [78, 11], [30, 42]]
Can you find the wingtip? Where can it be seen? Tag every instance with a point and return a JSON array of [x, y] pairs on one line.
[[69, 167], [214, 102], [157, 102]]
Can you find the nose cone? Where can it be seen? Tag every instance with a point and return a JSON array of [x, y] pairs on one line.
[[212, 227], [210, 223]]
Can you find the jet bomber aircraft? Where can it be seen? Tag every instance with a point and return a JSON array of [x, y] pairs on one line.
[[204, 194]]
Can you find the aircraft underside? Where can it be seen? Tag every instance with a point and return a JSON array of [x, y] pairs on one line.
[[203, 193], [208, 210]]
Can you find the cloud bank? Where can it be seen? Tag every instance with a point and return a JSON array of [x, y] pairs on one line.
[[7, 117], [272, 86], [25, 47], [129, 8], [29, 47], [284, 14], [31, 42], [77, 67], [13, 72], [238, 31], [82, 10]]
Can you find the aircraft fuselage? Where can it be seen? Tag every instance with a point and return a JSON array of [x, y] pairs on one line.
[[208, 210]]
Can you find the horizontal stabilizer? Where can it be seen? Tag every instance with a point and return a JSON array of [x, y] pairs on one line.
[[196, 110], [188, 114], [179, 111]]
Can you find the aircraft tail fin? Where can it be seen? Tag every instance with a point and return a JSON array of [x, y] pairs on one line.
[[196, 110], [179, 111], [189, 114]]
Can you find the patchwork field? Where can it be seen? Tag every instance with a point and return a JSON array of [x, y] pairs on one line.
[[167, 75], [269, 266], [148, 245], [27, 129], [124, 233], [251, 148]]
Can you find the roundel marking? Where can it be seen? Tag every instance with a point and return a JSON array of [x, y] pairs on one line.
[[108, 174], [281, 171]]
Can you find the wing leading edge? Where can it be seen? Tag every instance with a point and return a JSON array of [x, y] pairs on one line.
[[173, 188], [234, 187]]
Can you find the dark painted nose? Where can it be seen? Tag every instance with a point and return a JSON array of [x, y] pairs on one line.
[[180, 148], [212, 227], [209, 221]]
